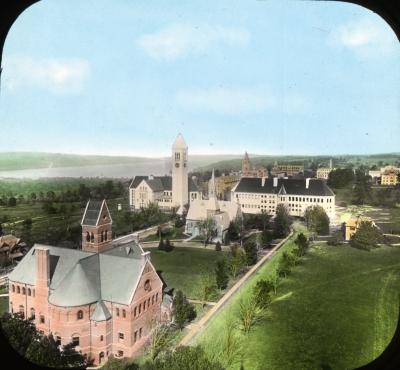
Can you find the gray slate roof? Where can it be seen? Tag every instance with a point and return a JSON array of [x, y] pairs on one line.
[[317, 187], [101, 312], [91, 215], [79, 278], [160, 183]]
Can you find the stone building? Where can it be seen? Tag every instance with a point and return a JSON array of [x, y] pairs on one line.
[[251, 171], [256, 195], [103, 298], [168, 192], [282, 170]]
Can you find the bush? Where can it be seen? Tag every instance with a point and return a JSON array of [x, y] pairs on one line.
[[183, 311], [262, 293], [336, 239], [367, 236], [221, 274], [250, 249], [169, 247], [218, 247]]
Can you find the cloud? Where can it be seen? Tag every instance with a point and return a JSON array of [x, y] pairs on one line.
[[368, 38], [178, 40], [55, 75], [226, 101]]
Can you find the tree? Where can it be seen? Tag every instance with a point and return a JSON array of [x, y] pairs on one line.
[[12, 202], [183, 311], [340, 178], [367, 236], [207, 229], [218, 247], [302, 244], [233, 230], [159, 340], [221, 274], [249, 314], [161, 245], [262, 293], [266, 237], [274, 279], [43, 351], [282, 222], [183, 357], [236, 262], [168, 246], [231, 343], [362, 187], [206, 286], [250, 249], [317, 220]]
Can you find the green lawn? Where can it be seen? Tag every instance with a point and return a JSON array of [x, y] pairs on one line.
[[176, 233], [338, 308], [3, 305], [182, 268]]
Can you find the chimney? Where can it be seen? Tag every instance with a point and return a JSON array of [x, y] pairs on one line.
[[307, 183], [262, 181], [275, 182], [42, 266]]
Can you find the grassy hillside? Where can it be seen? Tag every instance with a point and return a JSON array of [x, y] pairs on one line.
[[337, 310]]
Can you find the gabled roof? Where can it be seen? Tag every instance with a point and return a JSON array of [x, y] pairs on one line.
[[93, 210], [317, 187], [79, 278], [160, 183]]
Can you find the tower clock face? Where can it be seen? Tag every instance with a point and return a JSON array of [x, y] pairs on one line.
[[176, 165]]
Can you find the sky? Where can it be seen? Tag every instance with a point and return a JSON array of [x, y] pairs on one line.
[[122, 77]]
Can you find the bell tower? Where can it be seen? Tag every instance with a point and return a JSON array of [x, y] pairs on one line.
[[180, 194], [96, 227], [246, 165]]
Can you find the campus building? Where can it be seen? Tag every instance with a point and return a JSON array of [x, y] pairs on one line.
[[323, 172], [222, 213], [251, 171], [257, 195], [281, 170], [103, 298], [168, 192], [224, 185], [352, 223]]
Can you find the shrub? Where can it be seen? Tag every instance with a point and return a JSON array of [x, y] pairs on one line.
[[262, 293], [221, 274], [218, 247]]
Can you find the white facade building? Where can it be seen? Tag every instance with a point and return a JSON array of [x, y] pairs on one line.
[[166, 191], [257, 195]]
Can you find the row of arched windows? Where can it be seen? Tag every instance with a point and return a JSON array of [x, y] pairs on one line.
[[103, 236], [138, 309], [18, 290]]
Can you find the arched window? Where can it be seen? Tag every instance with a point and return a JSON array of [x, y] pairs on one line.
[[101, 357], [102, 236], [117, 311], [105, 235], [18, 289], [23, 290], [29, 292], [91, 237], [87, 236], [80, 315], [32, 313], [123, 313], [13, 288], [75, 339]]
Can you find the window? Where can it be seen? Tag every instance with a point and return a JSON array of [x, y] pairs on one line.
[[134, 311], [87, 236], [140, 333], [101, 236], [18, 289], [13, 288], [120, 353], [121, 336], [148, 302], [75, 341], [22, 311], [135, 337], [140, 308], [29, 292], [157, 297], [123, 313], [105, 235], [58, 340], [32, 313], [144, 306], [42, 321], [91, 237], [152, 299], [80, 315], [101, 357], [101, 338]]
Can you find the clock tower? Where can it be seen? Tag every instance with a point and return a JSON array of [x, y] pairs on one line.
[[180, 194]]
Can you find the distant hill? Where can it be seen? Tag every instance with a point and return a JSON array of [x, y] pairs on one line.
[[10, 161], [338, 161]]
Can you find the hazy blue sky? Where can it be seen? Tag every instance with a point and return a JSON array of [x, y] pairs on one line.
[[270, 77]]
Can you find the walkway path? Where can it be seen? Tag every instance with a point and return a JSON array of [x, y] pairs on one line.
[[196, 327], [201, 302]]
